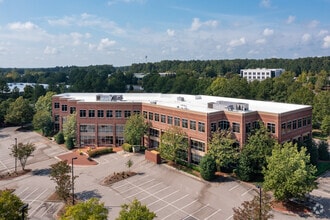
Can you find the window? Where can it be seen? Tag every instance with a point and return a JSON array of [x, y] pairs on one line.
[[248, 127], [289, 126], [105, 140], [87, 128], [153, 132], [119, 128], [163, 118], [236, 127], [151, 116], [72, 110], [192, 125], [299, 123], [91, 113], [176, 121], [271, 128], [145, 114], [195, 158], [197, 145], [82, 114], [56, 105], [104, 128], [109, 114], [224, 125], [256, 125], [201, 126], [309, 120], [100, 113], [127, 113], [136, 112], [64, 108], [118, 113], [283, 128], [304, 121], [294, 124], [156, 117], [184, 123], [213, 127], [169, 120]]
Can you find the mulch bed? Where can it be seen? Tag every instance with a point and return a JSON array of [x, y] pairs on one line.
[[290, 207], [116, 177], [12, 175]]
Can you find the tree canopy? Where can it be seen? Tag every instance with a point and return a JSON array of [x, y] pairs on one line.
[[20, 112], [134, 129], [10, 205], [289, 172], [22, 152], [135, 211]]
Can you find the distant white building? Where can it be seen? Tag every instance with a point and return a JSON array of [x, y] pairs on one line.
[[260, 74]]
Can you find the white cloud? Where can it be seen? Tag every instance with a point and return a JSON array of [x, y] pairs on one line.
[[305, 38], [105, 43], [261, 41], [237, 42], [326, 42], [50, 50], [18, 26], [323, 32], [197, 24], [268, 32], [170, 32], [313, 24], [265, 3], [290, 19]]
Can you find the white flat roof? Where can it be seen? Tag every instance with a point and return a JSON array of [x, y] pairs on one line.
[[190, 102]]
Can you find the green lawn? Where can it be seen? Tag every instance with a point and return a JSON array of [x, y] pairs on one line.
[[322, 167]]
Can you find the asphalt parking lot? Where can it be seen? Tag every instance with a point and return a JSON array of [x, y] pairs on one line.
[[168, 192]]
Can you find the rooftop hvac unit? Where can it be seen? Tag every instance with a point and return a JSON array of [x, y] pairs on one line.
[[180, 99]]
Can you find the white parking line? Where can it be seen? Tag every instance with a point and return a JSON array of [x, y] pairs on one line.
[[30, 214], [4, 166], [208, 217], [146, 182], [233, 187], [164, 198], [171, 203], [30, 194], [243, 194], [155, 193], [51, 205], [18, 194], [181, 209], [229, 217], [192, 214]]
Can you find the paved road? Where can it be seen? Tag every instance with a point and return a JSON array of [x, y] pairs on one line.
[[167, 192]]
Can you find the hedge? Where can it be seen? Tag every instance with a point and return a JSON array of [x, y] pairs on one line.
[[98, 152]]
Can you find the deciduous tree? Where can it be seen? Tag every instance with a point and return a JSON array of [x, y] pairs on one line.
[[10, 205], [22, 152], [289, 172], [91, 209], [135, 211], [70, 126], [20, 112], [207, 167], [134, 129]]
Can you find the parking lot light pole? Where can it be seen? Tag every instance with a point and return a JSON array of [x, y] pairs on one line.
[[73, 158], [15, 155], [260, 200], [22, 209]]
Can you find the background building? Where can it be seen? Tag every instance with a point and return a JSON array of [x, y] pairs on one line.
[[101, 117], [260, 74]]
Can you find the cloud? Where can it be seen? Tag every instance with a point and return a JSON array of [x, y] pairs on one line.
[[326, 42], [105, 43], [19, 26], [261, 41], [290, 19], [197, 24], [237, 42], [265, 3], [323, 32], [268, 32], [170, 32], [313, 24], [50, 50], [305, 38]]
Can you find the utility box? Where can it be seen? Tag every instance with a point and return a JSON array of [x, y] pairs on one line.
[[153, 156]]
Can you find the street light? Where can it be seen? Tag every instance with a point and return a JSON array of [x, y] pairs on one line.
[[73, 158], [260, 200], [23, 208], [15, 155]]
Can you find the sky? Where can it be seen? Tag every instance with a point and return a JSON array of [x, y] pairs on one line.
[[49, 33]]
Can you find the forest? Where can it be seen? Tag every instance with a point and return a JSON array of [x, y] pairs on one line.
[[305, 81]]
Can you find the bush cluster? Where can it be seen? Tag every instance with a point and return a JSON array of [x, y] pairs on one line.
[[98, 152], [127, 147]]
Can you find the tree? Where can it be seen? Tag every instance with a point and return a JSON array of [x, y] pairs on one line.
[[253, 155], [129, 164], [251, 209], [323, 150], [135, 211], [22, 152], [10, 205], [60, 173], [289, 172], [222, 149], [208, 167], [20, 112], [321, 108], [134, 129], [44, 102], [173, 144], [91, 209], [43, 120], [69, 126], [59, 138], [325, 125]]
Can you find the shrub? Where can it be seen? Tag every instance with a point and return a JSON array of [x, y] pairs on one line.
[[69, 143], [208, 167], [59, 138], [323, 150], [98, 152], [127, 147]]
